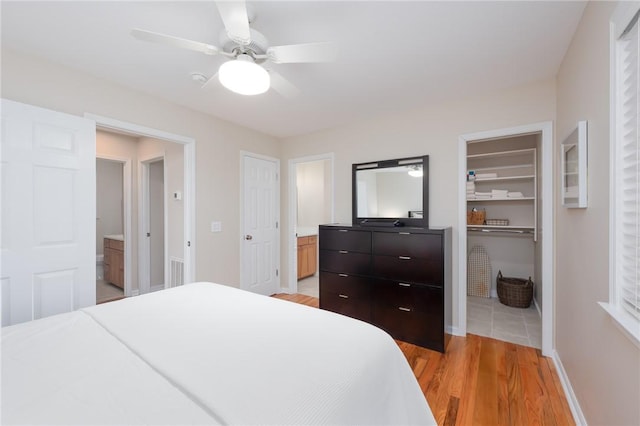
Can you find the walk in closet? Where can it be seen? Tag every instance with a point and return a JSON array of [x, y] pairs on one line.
[[503, 204]]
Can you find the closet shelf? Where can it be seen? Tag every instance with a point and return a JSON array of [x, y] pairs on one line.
[[510, 153], [504, 178], [477, 200], [518, 230]]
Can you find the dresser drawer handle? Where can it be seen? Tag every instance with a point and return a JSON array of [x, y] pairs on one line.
[[343, 230], [404, 284], [404, 309], [344, 296], [343, 275], [343, 252], [404, 233], [404, 257]]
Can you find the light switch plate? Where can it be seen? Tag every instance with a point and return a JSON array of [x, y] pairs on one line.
[[216, 226]]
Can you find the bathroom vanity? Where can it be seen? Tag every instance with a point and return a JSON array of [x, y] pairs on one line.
[[114, 260]]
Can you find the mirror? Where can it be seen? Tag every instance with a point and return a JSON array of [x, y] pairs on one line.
[[391, 192]]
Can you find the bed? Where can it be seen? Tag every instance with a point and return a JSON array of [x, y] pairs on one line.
[[205, 353]]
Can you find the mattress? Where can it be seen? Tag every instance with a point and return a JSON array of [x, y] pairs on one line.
[[205, 353]]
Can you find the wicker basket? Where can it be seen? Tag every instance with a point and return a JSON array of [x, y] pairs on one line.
[[476, 217], [515, 292]]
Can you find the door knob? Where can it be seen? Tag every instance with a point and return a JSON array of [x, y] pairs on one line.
[[248, 237]]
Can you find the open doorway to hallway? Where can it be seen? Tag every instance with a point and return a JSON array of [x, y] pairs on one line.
[[140, 217], [109, 229], [312, 205]]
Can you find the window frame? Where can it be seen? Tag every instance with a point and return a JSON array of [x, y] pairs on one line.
[[625, 321]]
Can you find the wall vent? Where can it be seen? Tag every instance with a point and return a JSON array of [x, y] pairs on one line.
[[176, 272]]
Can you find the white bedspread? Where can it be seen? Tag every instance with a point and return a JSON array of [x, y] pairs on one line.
[[206, 353]]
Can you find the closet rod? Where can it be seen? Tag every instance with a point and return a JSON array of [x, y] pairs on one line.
[[510, 231]]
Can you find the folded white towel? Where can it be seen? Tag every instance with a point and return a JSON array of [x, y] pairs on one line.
[[515, 195], [486, 175], [499, 193], [487, 194]]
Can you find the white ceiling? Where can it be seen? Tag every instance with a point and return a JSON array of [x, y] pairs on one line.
[[393, 55]]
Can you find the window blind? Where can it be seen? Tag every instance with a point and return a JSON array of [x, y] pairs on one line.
[[628, 172]]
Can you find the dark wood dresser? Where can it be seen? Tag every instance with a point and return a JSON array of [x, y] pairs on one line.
[[398, 279]]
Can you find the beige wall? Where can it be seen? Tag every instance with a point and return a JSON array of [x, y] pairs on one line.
[[432, 130], [218, 145], [312, 193], [602, 364]]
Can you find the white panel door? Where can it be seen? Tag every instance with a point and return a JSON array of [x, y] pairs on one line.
[[48, 214], [260, 237]]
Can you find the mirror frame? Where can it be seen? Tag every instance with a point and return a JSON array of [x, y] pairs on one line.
[[422, 222]]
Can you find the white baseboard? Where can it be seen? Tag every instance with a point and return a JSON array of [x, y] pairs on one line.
[[135, 293], [455, 331], [157, 287], [572, 400], [535, 303]]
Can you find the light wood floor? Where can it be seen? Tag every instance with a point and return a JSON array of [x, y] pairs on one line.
[[483, 381]]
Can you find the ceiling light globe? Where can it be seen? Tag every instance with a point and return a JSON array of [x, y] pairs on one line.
[[244, 76]]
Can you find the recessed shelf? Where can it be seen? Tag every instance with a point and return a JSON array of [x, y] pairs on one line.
[[505, 178], [477, 200]]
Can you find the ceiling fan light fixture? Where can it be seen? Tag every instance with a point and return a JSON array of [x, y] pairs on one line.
[[415, 171], [244, 76]]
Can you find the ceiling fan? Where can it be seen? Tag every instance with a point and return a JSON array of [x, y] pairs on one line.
[[247, 50]]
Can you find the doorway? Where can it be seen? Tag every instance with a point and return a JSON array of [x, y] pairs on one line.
[[541, 227], [184, 256], [311, 203], [111, 206], [154, 259]]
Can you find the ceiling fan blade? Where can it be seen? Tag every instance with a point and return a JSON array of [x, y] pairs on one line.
[[282, 85], [308, 52], [168, 40], [236, 20]]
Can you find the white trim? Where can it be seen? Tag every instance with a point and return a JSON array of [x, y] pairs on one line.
[[628, 325], [276, 260], [136, 129], [127, 202], [545, 129], [572, 400], [106, 123], [621, 16], [292, 241]]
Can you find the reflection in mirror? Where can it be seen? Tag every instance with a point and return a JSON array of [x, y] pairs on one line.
[[392, 192]]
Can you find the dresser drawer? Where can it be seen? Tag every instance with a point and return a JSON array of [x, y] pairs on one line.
[[345, 239], [345, 262], [420, 328], [349, 285], [406, 268], [346, 305], [414, 297], [426, 246]]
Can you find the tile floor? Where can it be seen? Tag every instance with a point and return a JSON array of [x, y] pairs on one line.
[[490, 318], [309, 286], [106, 292]]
